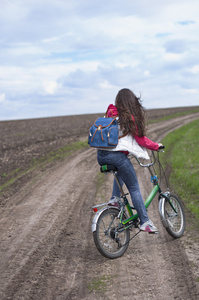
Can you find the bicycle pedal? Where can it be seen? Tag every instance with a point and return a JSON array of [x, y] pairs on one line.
[[156, 232]]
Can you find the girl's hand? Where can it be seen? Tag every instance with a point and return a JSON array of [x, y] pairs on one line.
[[160, 146]]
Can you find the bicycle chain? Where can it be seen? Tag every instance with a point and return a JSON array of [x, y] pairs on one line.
[[131, 238]]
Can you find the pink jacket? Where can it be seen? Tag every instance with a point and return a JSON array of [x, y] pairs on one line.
[[143, 140]]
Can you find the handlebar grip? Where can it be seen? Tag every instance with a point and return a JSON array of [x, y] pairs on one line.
[[161, 147]]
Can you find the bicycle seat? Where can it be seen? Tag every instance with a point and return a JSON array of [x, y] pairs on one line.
[[107, 168]]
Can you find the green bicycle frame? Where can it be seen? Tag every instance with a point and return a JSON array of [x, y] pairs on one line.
[[156, 189], [147, 202]]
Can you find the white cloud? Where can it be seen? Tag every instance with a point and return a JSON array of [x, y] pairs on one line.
[[2, 97], [195, 69], [50, 87], [191, 91]]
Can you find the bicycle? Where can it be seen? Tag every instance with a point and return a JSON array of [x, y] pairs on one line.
[[111, 225]]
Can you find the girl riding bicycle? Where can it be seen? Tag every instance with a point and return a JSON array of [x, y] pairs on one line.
[[131, 119]]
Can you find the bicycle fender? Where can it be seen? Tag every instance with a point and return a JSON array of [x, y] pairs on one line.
[[97, 215], [161, 211]]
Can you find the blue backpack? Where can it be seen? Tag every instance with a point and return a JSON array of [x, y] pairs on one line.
[[104, 133]]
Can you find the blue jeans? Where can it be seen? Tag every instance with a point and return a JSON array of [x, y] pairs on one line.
[[126, 174]]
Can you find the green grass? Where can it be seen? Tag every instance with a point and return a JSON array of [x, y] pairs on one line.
[[99, 284], [60, 153], [182, 156], [172, 116], [42, 162], [100, 180]]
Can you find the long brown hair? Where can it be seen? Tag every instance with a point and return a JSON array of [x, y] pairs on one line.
[[127, 105]]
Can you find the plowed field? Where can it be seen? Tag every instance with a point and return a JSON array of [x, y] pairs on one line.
[[46, 247]]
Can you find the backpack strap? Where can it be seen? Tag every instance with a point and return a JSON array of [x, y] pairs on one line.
[[100, 127], [121, 136]]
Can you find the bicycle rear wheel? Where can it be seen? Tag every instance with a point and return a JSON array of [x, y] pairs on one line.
[[109, 240], [174, 216]]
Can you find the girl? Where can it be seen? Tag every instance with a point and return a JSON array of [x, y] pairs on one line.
[[131, 120]]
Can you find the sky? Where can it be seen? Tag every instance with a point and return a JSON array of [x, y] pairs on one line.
[[61, 57]]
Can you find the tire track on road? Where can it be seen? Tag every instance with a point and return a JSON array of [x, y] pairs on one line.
[[47, 250]]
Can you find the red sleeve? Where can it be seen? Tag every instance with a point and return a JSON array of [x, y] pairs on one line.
[[147, 143]]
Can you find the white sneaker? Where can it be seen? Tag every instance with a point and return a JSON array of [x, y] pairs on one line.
[[148, 226], [115, 201]]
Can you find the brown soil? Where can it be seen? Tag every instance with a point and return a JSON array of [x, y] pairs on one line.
[[47, 249]]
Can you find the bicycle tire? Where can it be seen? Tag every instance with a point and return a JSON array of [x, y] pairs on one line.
[[105, 239], [175, 221]]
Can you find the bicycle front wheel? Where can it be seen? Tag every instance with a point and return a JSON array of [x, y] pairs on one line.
[[174, 216], [110, 240]]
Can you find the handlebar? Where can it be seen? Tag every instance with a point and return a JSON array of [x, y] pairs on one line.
[[160, 148], [154, 158], [147, 165], [152, 171]]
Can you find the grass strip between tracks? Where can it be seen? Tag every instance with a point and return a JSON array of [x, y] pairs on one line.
[[182, 157], [42, 162], [173, 116]]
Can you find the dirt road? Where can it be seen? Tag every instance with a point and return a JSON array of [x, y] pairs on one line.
[[47, 250]]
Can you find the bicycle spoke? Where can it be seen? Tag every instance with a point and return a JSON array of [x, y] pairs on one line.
[[110, 242], [174, 216]]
